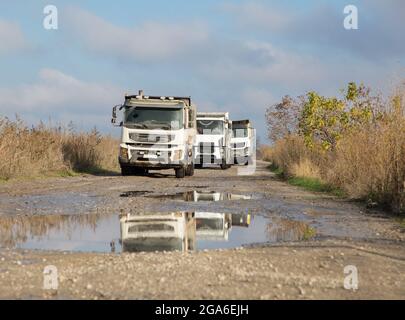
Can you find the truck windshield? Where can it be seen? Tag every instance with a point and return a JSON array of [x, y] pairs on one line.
[[210, 224], [239, 132], [153, 118], [210, 127]]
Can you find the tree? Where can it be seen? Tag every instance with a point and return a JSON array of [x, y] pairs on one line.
[[324, 120], [321, 120], [282, 118]]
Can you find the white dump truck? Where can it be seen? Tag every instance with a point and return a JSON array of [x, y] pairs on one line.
[[214, 226], [243, 142], [157, 133], [212, 196], [213, 139], [156, 232], [176, 231]]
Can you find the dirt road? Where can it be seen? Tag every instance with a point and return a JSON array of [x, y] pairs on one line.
[[246, 237]]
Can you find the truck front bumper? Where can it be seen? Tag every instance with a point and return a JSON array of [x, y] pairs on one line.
[[155, 164], [207, 159], [240, 156], [243, 152], [212, 155]]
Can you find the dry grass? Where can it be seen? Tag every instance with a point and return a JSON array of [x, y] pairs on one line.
[[15, 230], [371, 164], [368, 163], [264, 153], [292, 157], [42, 150], [306, 169]]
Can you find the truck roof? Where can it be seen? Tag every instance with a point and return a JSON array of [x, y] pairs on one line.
[[241, 122], [141, 97], [213, 115]]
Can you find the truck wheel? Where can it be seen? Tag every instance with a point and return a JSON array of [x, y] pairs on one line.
[[224, 166], [190, 170], [125, 171], [180, 173], [140, 172]]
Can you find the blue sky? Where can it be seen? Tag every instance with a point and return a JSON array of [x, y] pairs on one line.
[[236, 56]]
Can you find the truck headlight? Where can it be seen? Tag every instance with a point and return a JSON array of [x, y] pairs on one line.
[[124, 153]]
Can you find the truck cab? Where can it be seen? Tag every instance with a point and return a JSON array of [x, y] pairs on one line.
[[157, 133], [243, 142], [213, 226], [213, 139]]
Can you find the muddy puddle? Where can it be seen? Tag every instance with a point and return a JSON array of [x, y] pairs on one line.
[[137, 232], [191, 196]]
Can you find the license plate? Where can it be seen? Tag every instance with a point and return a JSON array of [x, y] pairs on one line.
[[150, 156]]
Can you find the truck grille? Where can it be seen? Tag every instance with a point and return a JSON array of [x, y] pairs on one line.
[[151, 138], [238, 145], [207, 147], [152, 146]]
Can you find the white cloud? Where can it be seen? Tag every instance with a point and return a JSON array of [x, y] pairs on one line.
[[320, 27], [261, 63], [11, 37], [148, 42], [257, 98], [55, 92], [258, 15]]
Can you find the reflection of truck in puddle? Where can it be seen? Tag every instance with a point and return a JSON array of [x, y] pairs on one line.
[[177, 231], [243, 142], [157, 133], [213, 226], [158, 232], [196, 196], [213, 139]]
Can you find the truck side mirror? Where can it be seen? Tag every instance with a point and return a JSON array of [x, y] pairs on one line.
[[191, 118], [114, 114]]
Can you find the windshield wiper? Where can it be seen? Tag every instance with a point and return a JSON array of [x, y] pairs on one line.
[[136, 125], [160, 125]]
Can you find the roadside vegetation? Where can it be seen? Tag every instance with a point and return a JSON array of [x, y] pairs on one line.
[[401, 222], [15, 230], [352, 145], [42, 150], [309, 183]]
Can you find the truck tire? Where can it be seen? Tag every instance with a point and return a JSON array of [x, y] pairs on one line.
[[180, 173], [190, 170], [224, 165], [129, 171], [139, 172], [126, 171]]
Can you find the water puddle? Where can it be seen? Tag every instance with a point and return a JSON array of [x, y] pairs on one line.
[[129, 194], [182, 231], [191, 196]]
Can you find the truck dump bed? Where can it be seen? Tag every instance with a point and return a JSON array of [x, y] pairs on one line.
[[213, 115]]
